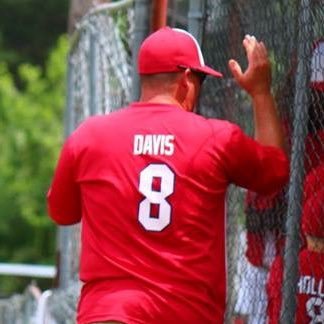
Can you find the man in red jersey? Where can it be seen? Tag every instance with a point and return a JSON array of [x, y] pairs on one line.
[[148, 183], [310, 289]]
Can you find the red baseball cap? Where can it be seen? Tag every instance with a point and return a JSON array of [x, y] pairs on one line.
[[317, 66], [172, 50]]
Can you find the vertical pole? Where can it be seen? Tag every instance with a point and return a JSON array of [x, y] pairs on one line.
[[295, 192], [159, 14], [65, 274], [141, 30], [196, 19], [93, 70], [69, 113], [64, 232]]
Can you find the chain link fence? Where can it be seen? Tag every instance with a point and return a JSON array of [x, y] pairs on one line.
[[259, 226], [99, 81], [20, 308]]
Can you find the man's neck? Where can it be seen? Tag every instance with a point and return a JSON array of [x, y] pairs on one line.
[[315, 244], [160, 98]]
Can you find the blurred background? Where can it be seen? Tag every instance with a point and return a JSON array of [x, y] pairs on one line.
[[33, 48], [34, 42], [62, 61]]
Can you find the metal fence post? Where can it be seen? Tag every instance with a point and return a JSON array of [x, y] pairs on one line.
[[295, 192], [64, 232], [196, 16], [141, 30], [69, 112], [93, 70]]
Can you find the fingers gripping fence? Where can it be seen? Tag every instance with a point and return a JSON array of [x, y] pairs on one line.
[[261, 227], [99, 81]]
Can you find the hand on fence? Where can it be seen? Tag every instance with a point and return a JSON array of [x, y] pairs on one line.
[[256, 79]]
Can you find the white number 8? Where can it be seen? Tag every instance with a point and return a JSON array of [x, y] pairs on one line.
[[316, 316], [147, 176]]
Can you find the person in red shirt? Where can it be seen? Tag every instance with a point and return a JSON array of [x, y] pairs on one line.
[[310, 287], [148, 183], [266, 214], [264, 239]]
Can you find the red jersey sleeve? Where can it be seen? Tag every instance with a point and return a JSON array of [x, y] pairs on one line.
[[248, 164], [63, 197]]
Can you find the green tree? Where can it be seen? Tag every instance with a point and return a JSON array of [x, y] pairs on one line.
[[30, 136], [29, 28]]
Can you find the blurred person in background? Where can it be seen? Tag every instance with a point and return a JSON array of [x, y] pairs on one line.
[[265, 214], [264, 239], [310, 286]]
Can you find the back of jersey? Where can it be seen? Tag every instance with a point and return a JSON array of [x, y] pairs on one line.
[[152, 186], [148, 183]]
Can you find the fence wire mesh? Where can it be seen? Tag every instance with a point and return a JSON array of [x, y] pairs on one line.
[[257, 225], [99, 81], [20, 308], [100, 61]]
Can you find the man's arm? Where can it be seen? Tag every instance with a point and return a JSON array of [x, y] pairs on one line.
[[63, 197], [264, 167], [256, 80]]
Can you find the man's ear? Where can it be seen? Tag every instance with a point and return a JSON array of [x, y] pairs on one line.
[[182, 87], [186, 78], [183, 83], [186, 90]]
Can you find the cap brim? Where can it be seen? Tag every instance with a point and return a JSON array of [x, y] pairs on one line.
[[209, 71]]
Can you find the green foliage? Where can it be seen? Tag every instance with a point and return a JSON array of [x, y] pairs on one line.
[[29, 28], [30, 136]]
